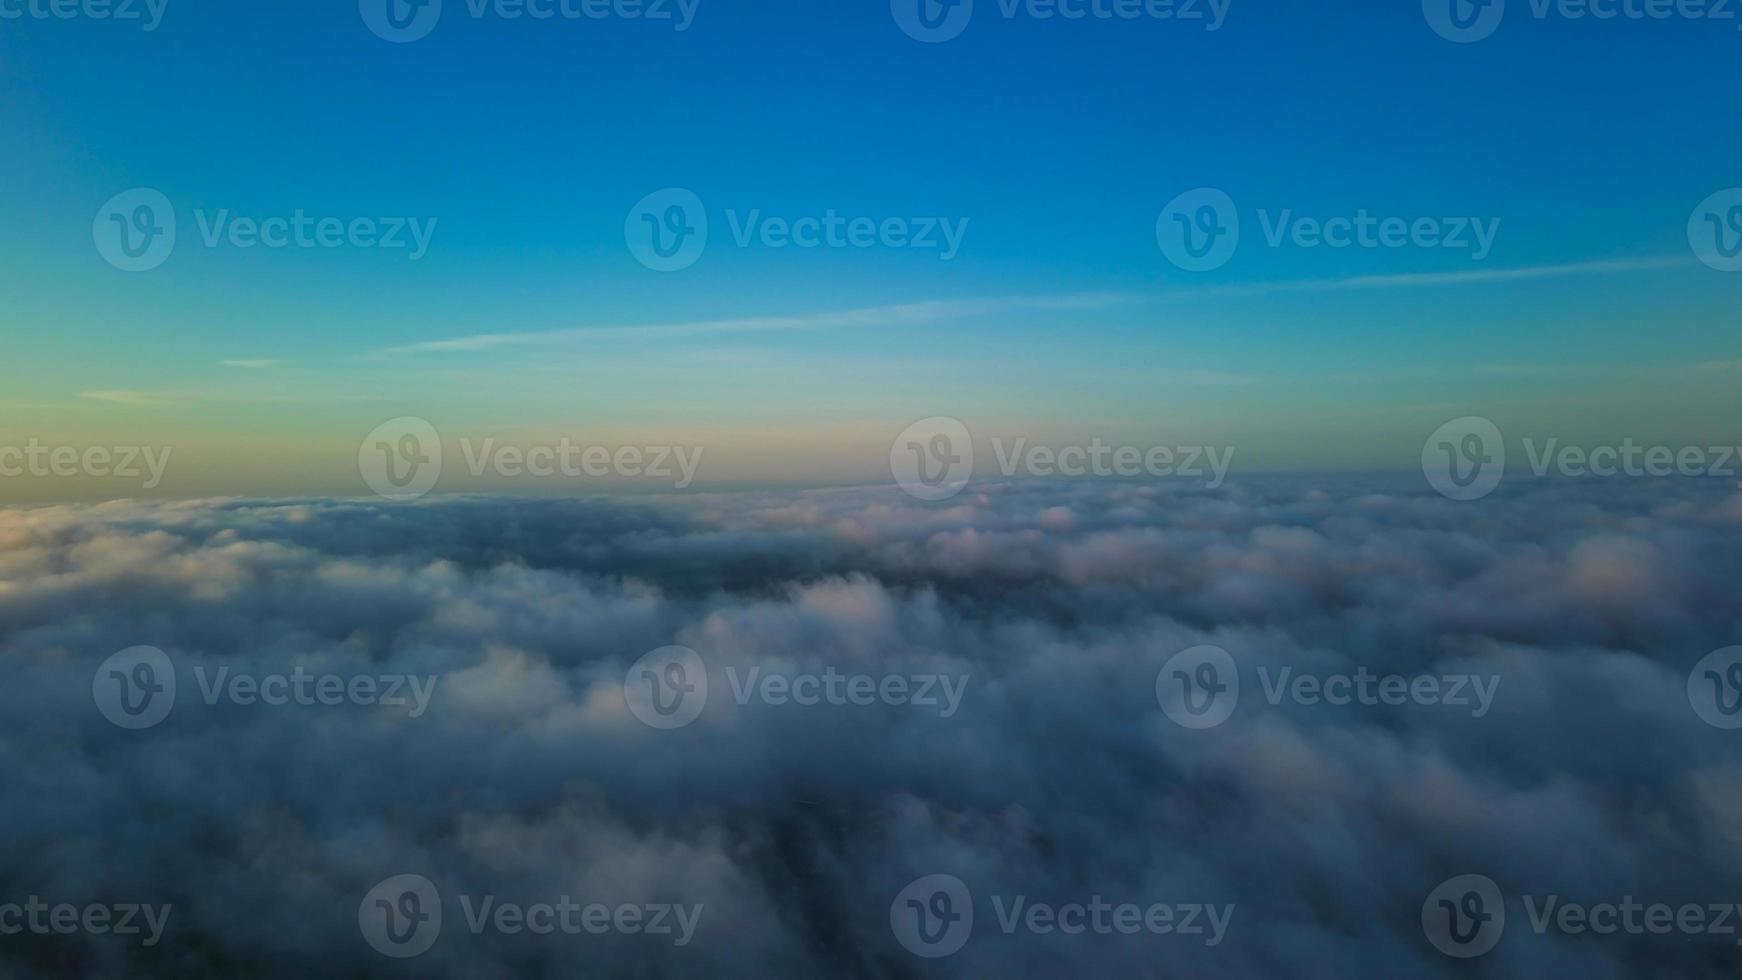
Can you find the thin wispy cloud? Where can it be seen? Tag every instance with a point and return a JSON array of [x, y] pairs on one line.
[[928, 311], [931, 311], [1456, 278], [139, 399], [164, 399]]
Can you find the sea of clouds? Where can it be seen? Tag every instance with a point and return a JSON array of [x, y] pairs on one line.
[[1059, 777]]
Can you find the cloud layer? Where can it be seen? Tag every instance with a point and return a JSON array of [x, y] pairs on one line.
[[1060, 778]]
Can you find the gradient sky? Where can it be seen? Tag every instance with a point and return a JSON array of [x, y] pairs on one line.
[[1060, 319]]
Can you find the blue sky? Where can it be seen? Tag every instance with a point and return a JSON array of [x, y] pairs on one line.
[[1059, 142]]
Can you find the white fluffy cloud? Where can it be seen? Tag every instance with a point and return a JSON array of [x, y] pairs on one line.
[[1058, 778]]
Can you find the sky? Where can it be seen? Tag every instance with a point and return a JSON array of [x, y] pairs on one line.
[[526, 149]]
